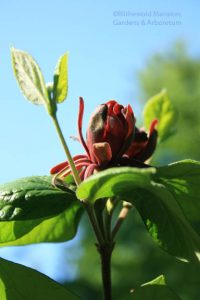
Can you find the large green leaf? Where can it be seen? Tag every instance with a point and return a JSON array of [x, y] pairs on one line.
[[182, 179], [154, 290], [167, 224], [158, 208], [160, 107], [114, 182], [60, 86], [32, 198], [29, 77], [22, 283], [60, 228]]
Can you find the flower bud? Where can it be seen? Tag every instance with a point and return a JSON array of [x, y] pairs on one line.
[[112, 140], [112, 125]]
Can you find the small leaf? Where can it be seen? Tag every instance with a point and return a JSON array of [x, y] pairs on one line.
[[30, 79], [160, 107], [154, 290], [159, 210], [160, 280], [112, 182], [18, 282], [32, 198], [60, 87]]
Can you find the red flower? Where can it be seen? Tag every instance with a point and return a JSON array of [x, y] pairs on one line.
[[112, 140]]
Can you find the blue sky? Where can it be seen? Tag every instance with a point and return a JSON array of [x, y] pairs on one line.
[[103, 63]]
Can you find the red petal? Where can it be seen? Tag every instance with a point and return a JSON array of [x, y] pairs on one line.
[[110, 105], [130, 119], [80, 121], [65, 164], [89, 170], [154, 123], [150, 146], [117, 108], [59, 167]]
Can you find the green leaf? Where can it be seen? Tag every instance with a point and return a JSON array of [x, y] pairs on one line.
[[160, 280], [30, 79], [60, 87], [160, 107], [64, 208], [154, 290], [114, 182], [162, 215], [182, 179], [22, 283], [60, 228], [32, 198], [167, 224]]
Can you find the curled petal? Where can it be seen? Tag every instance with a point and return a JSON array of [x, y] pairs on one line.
[[117, 108], [130, 120], [96, 128], [153, 124], [79, 156], [89, 170], [130, 129], [151, 144], [97, 124], [82, 172], [137, 145], [59, 167], [80, 160], [67, 171], [143, 146], [102, 153], [65, 164], [82, 164], [80, 122], [110, 104]]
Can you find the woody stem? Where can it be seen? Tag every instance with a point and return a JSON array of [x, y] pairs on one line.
[[105, 252]]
